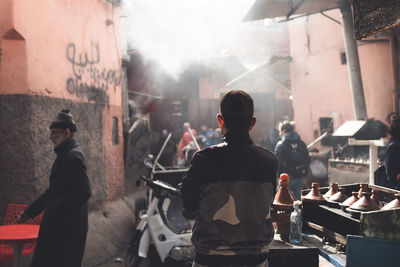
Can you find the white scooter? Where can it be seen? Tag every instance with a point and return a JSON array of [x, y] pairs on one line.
[[161, 223]]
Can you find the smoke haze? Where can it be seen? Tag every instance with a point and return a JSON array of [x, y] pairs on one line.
[[178, 32]]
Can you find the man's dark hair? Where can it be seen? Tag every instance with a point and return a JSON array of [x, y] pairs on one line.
[[237, 110], [389, 116], [287, 126]]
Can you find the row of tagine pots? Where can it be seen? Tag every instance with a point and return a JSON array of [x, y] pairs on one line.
[[362, 201]]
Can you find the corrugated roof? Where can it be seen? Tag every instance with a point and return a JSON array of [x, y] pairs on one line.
[[284, 8], [272, 74]]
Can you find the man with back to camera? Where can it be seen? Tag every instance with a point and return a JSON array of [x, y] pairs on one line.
[[62, 234], [293, 157], [230, 187]]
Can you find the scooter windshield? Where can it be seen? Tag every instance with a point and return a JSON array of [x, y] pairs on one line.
[[171, 209]]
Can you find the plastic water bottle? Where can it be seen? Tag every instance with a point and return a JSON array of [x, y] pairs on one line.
[[296, 223]]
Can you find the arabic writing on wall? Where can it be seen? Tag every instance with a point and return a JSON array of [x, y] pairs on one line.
[[89, 80]]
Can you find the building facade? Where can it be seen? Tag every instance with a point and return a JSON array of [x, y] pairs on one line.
[[54, 55], [320, 77]]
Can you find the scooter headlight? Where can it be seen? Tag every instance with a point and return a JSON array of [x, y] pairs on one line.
[[182, 253]]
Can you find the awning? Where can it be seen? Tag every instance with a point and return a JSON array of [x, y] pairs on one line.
[[285, 8], [272, 74], [372, 17]]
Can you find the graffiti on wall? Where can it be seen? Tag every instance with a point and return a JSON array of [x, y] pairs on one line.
[[90, 80]]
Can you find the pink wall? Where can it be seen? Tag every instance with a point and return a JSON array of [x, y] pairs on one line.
[[66, 39], [67, 49], [6, 16], [320, 83], [114, 154]]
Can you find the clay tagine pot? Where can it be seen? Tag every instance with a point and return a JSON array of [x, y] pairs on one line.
[[284, 198], [363, 188], [339, 196], [395, 203], [376, 196], [365, 203], [349, 201], [282, 207], [333, 190], [314, 195]]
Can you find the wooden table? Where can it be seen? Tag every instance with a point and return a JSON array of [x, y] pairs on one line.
[[18, 235], [285, 254]]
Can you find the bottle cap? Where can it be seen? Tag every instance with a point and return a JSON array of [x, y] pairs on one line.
[[284, 177]]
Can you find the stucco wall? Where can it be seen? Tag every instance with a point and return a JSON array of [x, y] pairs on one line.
[[72, 49], [114, 157], [26, 153], [59, 54], [320, 82]]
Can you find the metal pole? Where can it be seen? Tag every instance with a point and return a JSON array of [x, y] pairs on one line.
[[353, 62], [159, 154], [194, 139], [317, 140], [373, 162], [373, 153]]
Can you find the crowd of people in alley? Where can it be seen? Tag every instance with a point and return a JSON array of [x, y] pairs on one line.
[[191, 141], [179, 153], [282, 140]]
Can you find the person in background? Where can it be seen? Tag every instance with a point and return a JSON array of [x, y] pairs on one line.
[[217, 136], [392, 153], [293, 157], [208, 133], [62, 234], [137, 150], [210, 137], [273, 137], [185, 140], [269, 138], [263, 141], [389, 116], [230, 188], [191, 148]]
